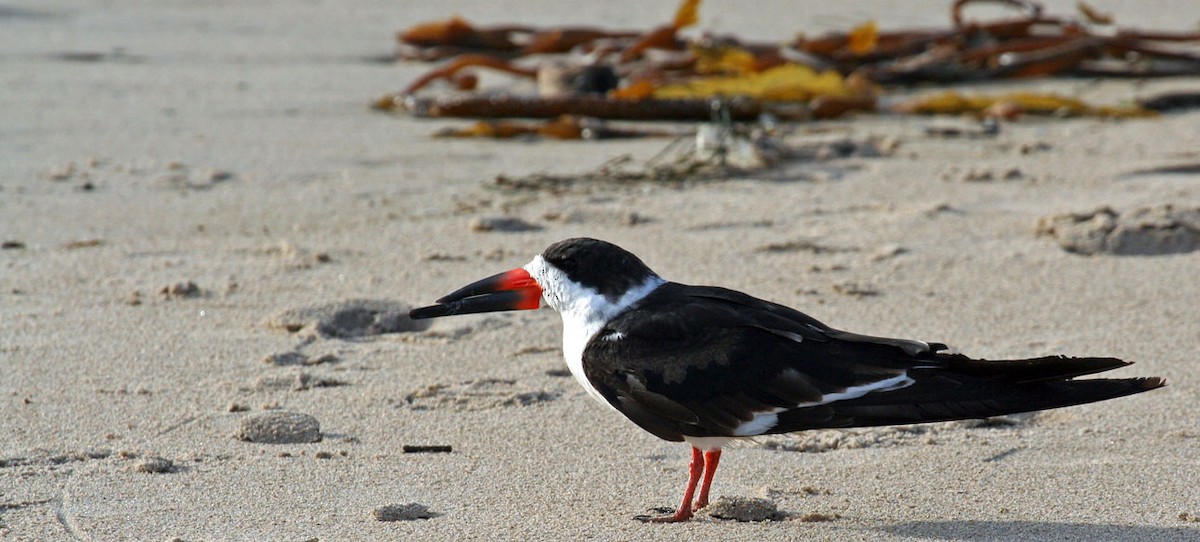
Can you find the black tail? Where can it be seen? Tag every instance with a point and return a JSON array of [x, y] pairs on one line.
[[961, 388]]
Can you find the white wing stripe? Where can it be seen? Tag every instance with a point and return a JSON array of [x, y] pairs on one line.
[[763, 421], [854, 392]]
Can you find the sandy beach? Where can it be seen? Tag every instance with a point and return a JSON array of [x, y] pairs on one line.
[[209, 239]]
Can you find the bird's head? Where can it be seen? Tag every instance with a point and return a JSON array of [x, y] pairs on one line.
[[575, 276]]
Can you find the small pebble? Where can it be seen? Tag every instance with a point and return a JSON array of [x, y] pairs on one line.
[[180, 290], [62, 172], [853, 289], [888, 251], [217, 176], [1030, 147], [402, 512], [279, 359], [743, 509], [977, 175], [279, 427], [155, 465], [633, 219], [500, 223]]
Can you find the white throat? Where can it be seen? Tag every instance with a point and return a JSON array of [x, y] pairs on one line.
[[584, 311]]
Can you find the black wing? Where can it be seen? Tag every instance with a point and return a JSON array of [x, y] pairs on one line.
[[705, 361]]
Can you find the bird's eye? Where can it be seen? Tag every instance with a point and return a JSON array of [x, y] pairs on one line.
[[566, 264]]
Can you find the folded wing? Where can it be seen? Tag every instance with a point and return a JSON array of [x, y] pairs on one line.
[[703, 361]]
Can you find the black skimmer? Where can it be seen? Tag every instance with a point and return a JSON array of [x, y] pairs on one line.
[[705, 365]]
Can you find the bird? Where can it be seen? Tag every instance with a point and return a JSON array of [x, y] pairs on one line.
[[706, 365]]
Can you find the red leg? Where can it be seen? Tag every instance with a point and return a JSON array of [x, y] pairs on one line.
[[695, 470], [711, 458]]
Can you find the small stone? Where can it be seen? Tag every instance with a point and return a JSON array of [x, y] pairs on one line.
[[500, 223], [1030, 147], [888, 251], [11, 245], [443, 257], [975, 175], [236, 407], [155, 465], [279, 427], [180, 290], [743, 509], [402, 512], [633, 219], [323, 455], [280, 359], [216, 176], [853, 289], [61, 172]]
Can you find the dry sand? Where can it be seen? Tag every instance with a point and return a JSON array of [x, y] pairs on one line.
[[180, 180]]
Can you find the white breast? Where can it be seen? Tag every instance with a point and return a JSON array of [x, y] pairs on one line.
[[576, 336], [584, 312]]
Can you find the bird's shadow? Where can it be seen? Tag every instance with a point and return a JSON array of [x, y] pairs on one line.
[[1017, 530]]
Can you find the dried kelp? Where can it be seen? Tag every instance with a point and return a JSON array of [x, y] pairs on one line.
[[662, 74]]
